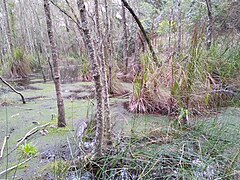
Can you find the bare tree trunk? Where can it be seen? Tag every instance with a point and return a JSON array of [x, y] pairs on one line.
[[179, 27], [143, 31], [96, 76], [39, 62], [9, 34], [57, 78], [108, 49], [125, 39], [210, 24], [105, 82], [2, 52], [170, 27]]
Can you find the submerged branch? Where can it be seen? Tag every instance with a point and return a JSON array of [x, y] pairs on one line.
[[14, 90]]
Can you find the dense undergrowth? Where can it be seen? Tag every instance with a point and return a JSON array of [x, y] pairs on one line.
[[197, 80]]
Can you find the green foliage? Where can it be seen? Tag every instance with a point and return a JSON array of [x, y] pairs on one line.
[[85, 66], [74, 56], [192, 74], [226, 16], [18, 64], [18, 54], [183, 113], [60, 168], [28, 150], [225, 60], [165, 25], [149, 11]]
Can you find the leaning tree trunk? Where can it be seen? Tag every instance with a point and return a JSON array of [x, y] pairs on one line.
[[143, 31], [96, 76], [210, 24], [57, 78]]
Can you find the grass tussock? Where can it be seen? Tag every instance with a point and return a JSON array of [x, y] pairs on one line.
[[197, 80], [19, 65], [150, 95]]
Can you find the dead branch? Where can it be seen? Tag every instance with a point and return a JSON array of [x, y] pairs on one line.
[[3, 146], [126, 5], [31, 132], [14, 90], [13, 167], [28, 135], [76, 21]]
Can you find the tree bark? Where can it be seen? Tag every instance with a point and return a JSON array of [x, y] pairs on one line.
[[210, 24], [103, 61], [97, 79], [179, 27], [108, 49], [170, 27], [57, 78], [125, 39], [143, 31], [9, 34]]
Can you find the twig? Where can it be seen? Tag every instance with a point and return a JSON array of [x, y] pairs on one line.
[[3, 146], [14, 90], [13, 167], [24, 108], [76, 21], [28, 135]]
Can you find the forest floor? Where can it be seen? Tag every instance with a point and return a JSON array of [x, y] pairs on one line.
[[17, 119]]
